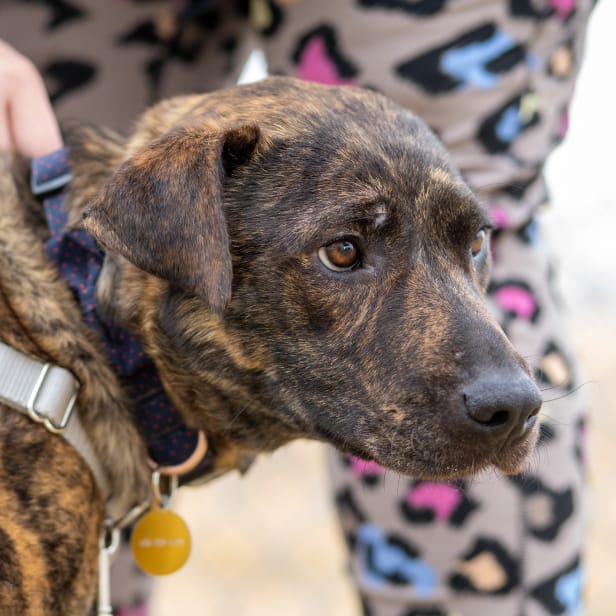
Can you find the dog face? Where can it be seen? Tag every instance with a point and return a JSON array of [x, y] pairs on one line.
[[304, 261]]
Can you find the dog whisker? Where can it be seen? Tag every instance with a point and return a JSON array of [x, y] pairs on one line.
[[235, 417], [553, 386], [553, 420], [569, 393]]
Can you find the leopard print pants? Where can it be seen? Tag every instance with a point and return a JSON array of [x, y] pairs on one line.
[[493, 78]]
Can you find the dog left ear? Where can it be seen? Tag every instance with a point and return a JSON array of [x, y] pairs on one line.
[[163, 209]]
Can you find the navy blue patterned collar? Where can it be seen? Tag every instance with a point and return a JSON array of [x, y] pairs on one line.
[[79, 261]]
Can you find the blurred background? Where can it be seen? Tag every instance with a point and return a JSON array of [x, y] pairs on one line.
[[269, 543]]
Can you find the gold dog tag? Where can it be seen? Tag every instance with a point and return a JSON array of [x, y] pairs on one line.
[[160, 542]]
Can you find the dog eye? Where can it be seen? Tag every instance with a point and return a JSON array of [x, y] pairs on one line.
[[479, 242], [340, 256]]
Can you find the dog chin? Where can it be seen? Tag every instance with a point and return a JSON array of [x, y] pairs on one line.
[[430, 471], [511, 460]]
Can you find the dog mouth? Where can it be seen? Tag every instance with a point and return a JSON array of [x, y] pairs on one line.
[[513, 459], [444, 464], [343, 444]]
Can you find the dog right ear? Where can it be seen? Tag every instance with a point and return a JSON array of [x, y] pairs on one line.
[[163, 209]]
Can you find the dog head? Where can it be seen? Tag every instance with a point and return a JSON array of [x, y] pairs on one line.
[[304, 261]]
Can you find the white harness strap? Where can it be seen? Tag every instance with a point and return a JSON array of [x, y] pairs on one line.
[[47, 395]]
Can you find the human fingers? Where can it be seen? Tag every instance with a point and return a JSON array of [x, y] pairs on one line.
[[27, 121]]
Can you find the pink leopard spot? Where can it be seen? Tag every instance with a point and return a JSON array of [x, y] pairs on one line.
[[564, 124], [441, 497], [516, 300], [499, 217], [141, 610], [314, 65], [364, 467], [563, 7]]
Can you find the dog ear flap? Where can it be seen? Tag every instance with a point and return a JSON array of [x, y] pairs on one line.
[[163, 209]]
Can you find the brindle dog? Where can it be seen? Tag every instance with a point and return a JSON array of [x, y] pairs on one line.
[[299, 261]]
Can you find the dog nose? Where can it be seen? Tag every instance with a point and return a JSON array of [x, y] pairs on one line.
[[502, 405]]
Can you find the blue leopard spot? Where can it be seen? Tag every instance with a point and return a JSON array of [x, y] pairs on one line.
[[388, 559], [509, 125], [500, 129], [468, 64], [562, 592], [568, 589], [477, 57], [534, 61]]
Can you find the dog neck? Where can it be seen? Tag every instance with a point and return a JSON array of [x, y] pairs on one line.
[[171, 444], [128, 296]]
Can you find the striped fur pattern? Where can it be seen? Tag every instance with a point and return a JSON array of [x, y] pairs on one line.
[[213, 214]]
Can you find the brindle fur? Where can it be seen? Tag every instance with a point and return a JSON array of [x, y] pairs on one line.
[[212, 212]]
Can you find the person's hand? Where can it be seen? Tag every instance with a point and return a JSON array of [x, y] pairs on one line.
[[27, 122]]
